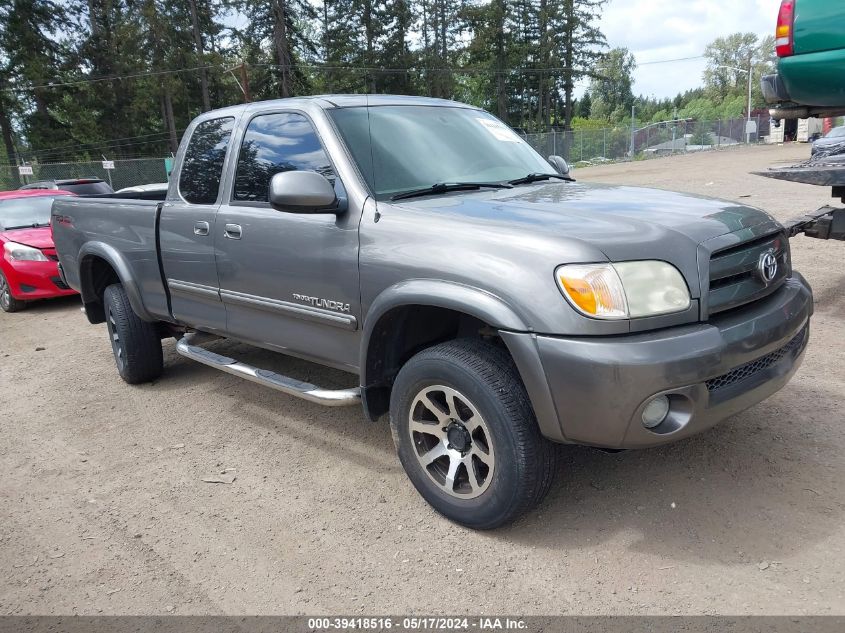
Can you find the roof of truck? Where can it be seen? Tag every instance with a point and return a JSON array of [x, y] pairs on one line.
[[331, 101]]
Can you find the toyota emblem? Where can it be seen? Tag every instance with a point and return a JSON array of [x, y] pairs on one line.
[[767, 266]]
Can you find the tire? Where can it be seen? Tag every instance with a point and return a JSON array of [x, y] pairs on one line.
[[449, 403], [7, 302], [135, 343]]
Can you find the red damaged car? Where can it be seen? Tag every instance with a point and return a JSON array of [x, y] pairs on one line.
[[29, 265]]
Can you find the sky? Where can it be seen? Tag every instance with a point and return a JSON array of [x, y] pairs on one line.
[[657, 30]]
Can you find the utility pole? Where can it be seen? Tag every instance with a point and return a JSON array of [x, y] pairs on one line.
[[748, 71], [248, 95], [748, 121]]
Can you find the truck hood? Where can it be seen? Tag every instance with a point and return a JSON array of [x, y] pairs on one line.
[[622, 222], [41, 237]]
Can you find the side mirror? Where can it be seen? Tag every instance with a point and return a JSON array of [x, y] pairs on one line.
[[560, 165], [302, 192]]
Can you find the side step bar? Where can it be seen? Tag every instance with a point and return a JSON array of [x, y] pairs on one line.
[[189, 346]]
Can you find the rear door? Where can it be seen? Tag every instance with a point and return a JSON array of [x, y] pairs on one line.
[[187, 227], [289, 281]]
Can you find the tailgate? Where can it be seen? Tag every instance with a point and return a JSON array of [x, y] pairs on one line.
[[819, 26]]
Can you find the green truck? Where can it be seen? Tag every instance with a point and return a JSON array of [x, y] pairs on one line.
[[810, 82], [810, 45]]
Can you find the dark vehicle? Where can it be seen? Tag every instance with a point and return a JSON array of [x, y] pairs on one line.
[[832, 141], [79, 186], [486, 302]]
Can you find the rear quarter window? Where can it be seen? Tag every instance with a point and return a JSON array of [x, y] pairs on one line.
[[202, 167]]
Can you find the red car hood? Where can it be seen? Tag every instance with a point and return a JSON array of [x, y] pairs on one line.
[[41, 237]]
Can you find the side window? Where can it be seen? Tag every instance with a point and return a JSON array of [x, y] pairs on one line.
[[202, 168], [274, 143]]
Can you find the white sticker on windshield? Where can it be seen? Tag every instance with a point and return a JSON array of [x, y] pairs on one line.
[[499, 130]]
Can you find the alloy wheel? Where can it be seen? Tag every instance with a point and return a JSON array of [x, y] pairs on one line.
[[116, 343], [451, 441], [5, 293]]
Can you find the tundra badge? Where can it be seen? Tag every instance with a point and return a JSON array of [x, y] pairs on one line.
[[317, 302]]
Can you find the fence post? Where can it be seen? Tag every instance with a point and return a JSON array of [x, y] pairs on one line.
[[604, 134], [554, 142]]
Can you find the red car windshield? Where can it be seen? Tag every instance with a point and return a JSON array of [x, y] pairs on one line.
[[24, 213]]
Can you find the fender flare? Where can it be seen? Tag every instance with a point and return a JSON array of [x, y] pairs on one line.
[[442, 294], [121, 267]]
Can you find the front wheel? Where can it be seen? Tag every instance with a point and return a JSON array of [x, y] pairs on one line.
[[7, 302], [136, 344], [466, 434]]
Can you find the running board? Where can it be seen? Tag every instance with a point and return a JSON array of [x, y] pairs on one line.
[[189, 346]]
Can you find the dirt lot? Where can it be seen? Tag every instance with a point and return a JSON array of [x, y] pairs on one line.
[[103, 508]]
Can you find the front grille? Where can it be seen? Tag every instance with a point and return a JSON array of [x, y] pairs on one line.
[[734, 278], [59, 283], [764, 362]]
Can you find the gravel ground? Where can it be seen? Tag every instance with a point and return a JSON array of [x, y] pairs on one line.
[[103, 508]]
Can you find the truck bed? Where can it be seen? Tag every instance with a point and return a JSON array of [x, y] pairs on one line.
[[123, 228]]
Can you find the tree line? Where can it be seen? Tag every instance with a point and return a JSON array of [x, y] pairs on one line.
[[81, 79]]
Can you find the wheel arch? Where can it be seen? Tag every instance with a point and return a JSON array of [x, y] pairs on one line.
[[416, 314], [101, 265]]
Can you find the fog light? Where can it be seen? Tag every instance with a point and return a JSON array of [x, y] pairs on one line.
[[655, 411]]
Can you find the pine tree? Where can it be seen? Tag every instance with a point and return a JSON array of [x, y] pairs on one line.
[[275, 36], [32, 59], [578, 44]]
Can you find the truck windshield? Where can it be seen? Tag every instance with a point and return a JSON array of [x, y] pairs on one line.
[[19, 213], [407, 147]]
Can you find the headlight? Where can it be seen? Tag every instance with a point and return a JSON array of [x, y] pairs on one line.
[[624, 290], [20, 252]]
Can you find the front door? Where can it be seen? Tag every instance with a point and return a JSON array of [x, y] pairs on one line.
[[289, 281], [187, 225]]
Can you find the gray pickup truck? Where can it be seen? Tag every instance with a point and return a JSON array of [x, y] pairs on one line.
[[489, 304]]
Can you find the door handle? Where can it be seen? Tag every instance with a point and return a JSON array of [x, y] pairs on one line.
[[201, 228], [233, 231]]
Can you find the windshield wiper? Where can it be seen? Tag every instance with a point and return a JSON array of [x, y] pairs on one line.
[[34, 225], [528, 178], [444, 187]]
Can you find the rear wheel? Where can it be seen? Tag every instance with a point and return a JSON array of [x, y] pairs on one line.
[[467, 436], [135, 343], [7, 302]]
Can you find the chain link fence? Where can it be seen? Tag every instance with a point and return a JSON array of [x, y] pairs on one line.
[[126, 173], [648, 141]]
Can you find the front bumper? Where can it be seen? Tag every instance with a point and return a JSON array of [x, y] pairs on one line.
[[598, 386], [30, 280]]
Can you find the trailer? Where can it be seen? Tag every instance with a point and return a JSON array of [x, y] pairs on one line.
[[825, 169]]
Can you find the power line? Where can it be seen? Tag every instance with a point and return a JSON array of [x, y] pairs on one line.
[[325, 67], [58, 148], [667, 61], [90, 80], [55, 155]]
